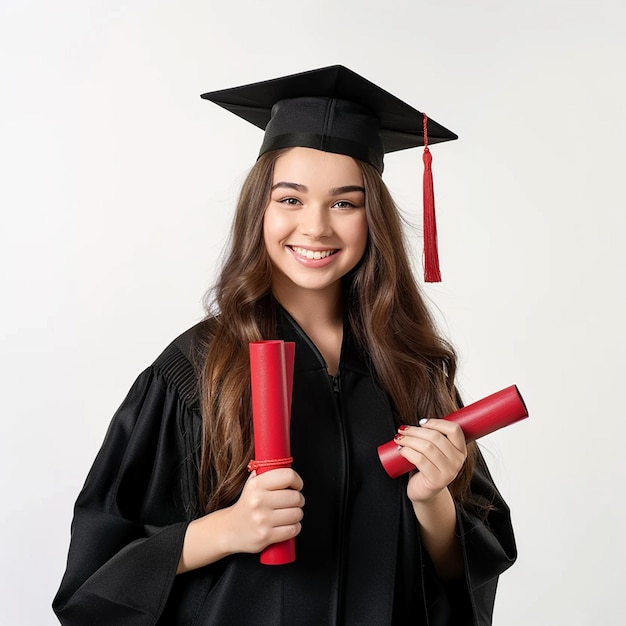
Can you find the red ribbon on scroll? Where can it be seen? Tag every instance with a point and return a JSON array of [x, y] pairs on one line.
[[271, 379], [476, 420]]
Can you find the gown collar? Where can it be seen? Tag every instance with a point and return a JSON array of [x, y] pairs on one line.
[[309, 358]]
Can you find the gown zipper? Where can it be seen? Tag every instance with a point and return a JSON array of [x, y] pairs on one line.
[[335, 616]]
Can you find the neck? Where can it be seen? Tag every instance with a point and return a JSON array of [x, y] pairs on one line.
[[311, 307], [320, 315]]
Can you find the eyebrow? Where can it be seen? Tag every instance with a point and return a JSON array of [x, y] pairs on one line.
[[339, 191], [286, 185], [335, 191]]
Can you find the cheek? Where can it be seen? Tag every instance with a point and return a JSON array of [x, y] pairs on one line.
[[276, 231], [360, 234], [269, 227], [275, 227], [266, 230]]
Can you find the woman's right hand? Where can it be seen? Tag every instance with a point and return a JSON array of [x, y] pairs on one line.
[[269, 510]]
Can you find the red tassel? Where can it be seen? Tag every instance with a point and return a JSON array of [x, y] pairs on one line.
[[432, 273]]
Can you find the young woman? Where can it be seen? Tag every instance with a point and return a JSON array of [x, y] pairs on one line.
[[169, 524]]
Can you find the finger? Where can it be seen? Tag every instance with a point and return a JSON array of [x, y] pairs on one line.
[[280, 478], [447, 428], [434, 474], [282, 525], [424, 454], [425, 440], [284, 499], [286, 517], [282, 533], [422, 463], [434, 447], [437, 430]]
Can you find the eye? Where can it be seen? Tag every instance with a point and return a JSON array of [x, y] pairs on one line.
[[343, 204], [289, 201]]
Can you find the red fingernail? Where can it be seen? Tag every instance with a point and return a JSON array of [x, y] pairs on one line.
[[403, 427], [398, 436]]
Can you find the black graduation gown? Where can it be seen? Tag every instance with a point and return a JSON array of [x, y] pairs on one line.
[[359, 558]]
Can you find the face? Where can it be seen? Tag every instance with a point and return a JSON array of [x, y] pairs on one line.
[[315, 227]]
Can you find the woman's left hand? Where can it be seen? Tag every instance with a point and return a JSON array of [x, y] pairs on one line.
[[437, 449]]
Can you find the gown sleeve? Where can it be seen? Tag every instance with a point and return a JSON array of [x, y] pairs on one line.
[[488, 546], [488, 543], [132, 513]]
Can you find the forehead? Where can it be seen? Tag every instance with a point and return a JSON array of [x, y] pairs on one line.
[[308, 166]]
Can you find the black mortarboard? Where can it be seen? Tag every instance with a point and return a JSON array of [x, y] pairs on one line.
[[335, 110], [331, 109]]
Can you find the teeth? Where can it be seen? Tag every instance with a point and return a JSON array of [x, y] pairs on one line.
[[310, 254]]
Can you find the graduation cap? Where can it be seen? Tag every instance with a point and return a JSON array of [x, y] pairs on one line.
[[335, 110]]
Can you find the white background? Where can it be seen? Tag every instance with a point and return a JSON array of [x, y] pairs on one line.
[[117, 189]]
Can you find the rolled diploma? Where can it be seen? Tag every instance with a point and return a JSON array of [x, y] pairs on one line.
[[476, 420], [271, 379]]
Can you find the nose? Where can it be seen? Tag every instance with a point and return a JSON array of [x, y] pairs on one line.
[[315, 223]]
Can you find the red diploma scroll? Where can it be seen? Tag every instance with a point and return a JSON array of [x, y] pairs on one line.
[[271, 379], [476, 420]]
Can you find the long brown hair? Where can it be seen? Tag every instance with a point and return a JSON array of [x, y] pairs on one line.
[[413, 363]]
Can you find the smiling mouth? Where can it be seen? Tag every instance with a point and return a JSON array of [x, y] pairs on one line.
[[313, 254]]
